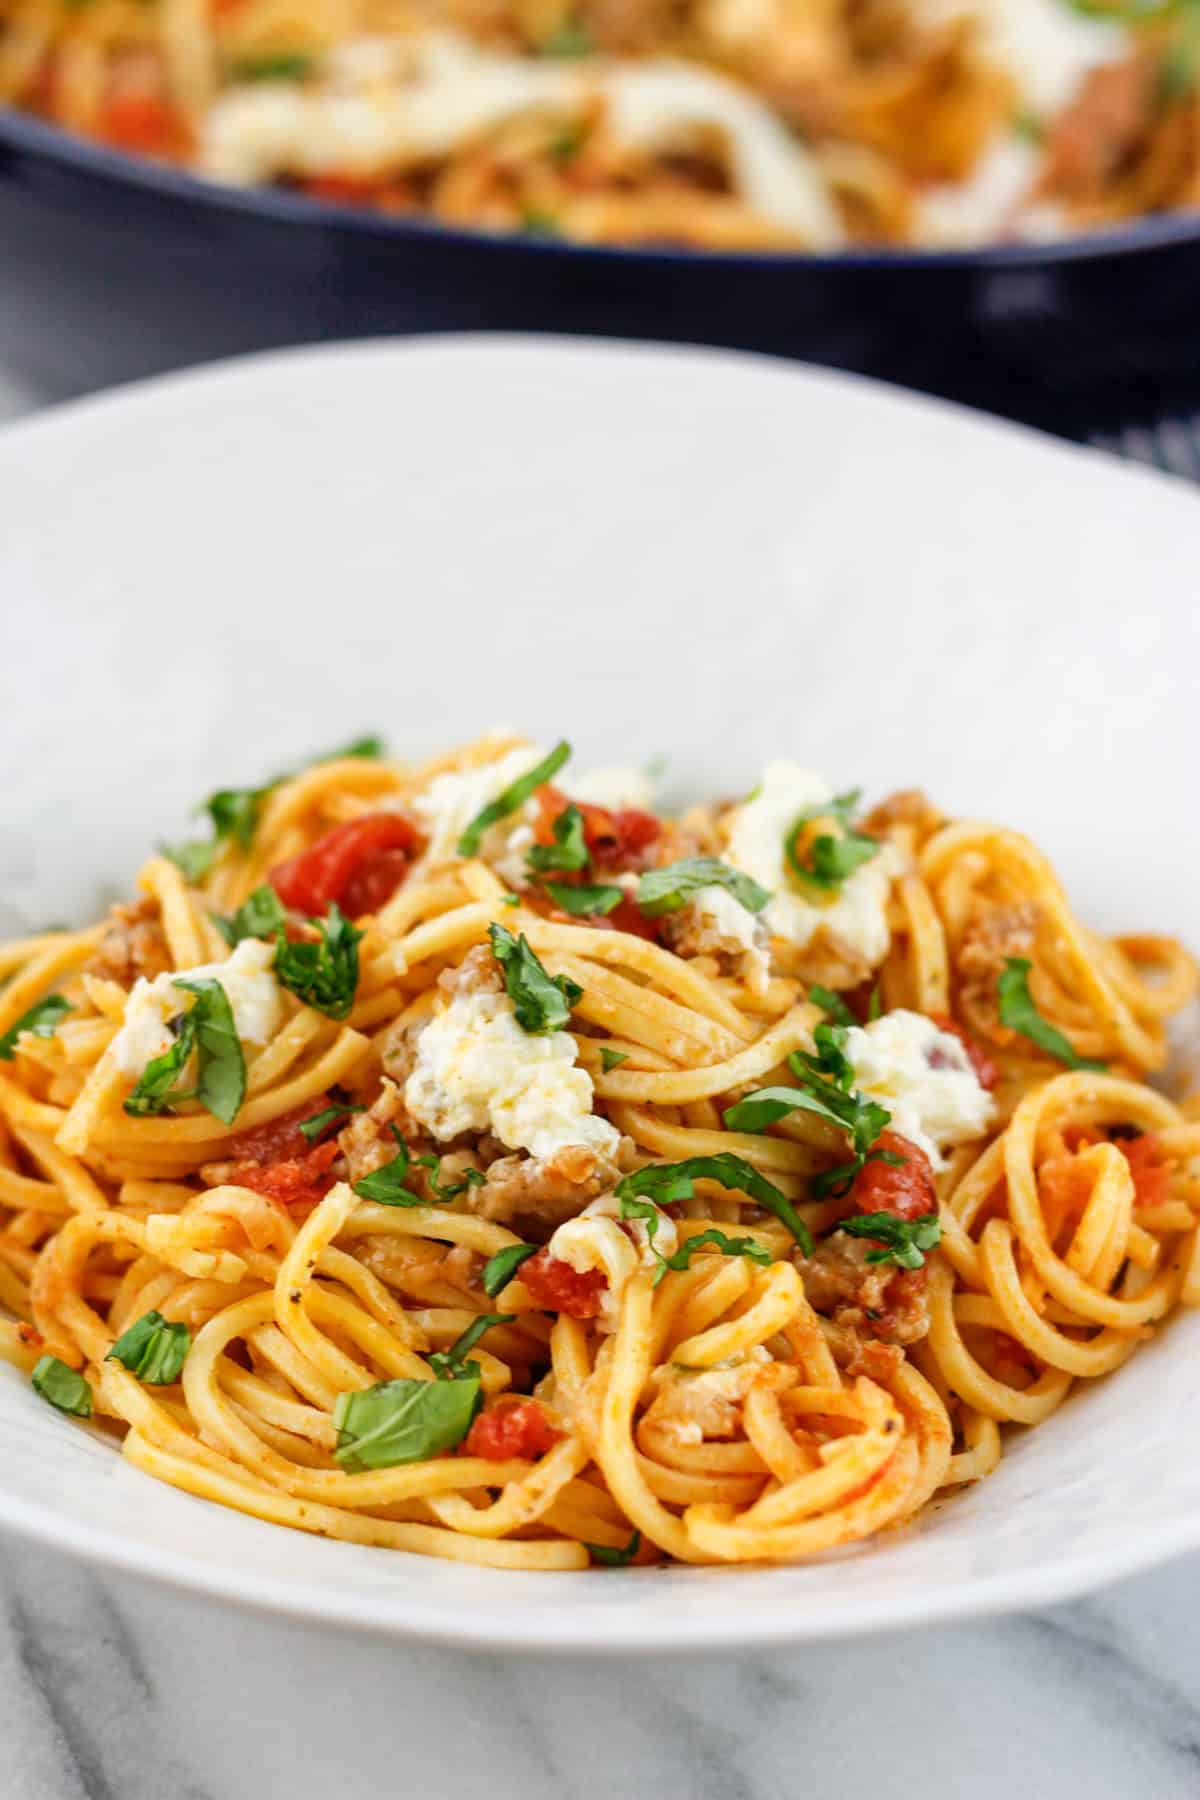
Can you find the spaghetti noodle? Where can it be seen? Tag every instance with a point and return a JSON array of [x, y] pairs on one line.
[[716, 123], [466, 1159]]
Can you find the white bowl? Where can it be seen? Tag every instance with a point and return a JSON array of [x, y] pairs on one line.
[[650, 552]]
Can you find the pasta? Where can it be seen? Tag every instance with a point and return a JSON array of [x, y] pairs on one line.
[[783, 124], [464, 1158]]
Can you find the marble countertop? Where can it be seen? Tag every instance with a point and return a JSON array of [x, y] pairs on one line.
[[110, 1691]]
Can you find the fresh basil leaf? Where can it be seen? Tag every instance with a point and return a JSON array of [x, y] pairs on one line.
[[500, 1269], [569, 849], [830, 860], [837, 1183], [833, 1004], [311, 1129], [570, 39], [220, 1064], [583, 902], [286, 66], [644, 1210], [513, 796], [404, 1421], [193, 859], [668, 1182], [666, 890], [903, 1241], [156, 1084], [728, 1246], [612, 1059], [258, 917], [451, 1364], [386, 1185], [323, 975], [824, 1087], [153, 1349], [875, 1005], [449, 1190], [369, 749], [62, 1386], [541, 1002], [615, 1559], [41, 1020], [510, 899], [1018, 1011]]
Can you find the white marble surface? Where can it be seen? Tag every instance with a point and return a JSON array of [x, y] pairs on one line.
[[111, 1692]]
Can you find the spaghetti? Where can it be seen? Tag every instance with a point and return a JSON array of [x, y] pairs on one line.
[[714, 124], [466, 1159]]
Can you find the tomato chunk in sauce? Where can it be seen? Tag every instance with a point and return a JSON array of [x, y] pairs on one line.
[[359, 864], [904, 1189], [555, 1285], [986, 1072], [517, 1429], [294, 1181]]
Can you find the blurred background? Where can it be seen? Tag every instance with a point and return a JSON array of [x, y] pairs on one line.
[[988, 199]]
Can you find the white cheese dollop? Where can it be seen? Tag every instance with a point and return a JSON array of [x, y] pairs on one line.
[[595, 1240], [477, 1070], [424, 97], [756, 830], [924, 1077], [447, 806], [250, 987], [724, 913]]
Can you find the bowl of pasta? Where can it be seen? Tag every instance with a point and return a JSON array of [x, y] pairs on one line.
[[991, 199], [510, 1192]]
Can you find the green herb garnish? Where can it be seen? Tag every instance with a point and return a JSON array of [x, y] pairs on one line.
[[584, 902], [41, 1020], [829, 861], [153, 1349], [569, 849], [323, 975], [404, 1421], [904, 1241], [386, 1185], [612, 1059], [500, 1269], [451, 1364], [666, 890], [285, 66], [570, 39], [615, 1559], [208, 1029], [541, 1002], [511, 798], [1019, 1012], [311, 1129], [258, 917], [62, 1386], [667, 1182], [728, 1246]]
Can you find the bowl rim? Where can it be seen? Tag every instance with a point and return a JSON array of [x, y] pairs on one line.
[[25, 134]]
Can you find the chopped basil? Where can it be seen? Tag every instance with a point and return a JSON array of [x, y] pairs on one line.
[[728, 1246], [311, 1129], [651, 1218], [904, 1241], [500, 1269], [510, 899], [322, 975], [452, 1189], [258, 917], [541, 1002], [451, 1364], [513, 796], [615, 1559], [153, 1349], [569, 849], [286, 66], [368, 748], [612, 1059], [666, 890], [41, 1020], [220, 1065], [1018, 1010], [830, 860], [62, 1386], [668, 1182], [539, 223], [386, 1185], [208, 1029], [582, 902], [833, 1004], [404, 1421], [875, 1005]]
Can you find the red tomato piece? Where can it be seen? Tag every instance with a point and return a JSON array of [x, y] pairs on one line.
[[518, 1429], [558, 1287], [615, 840], [279, 1139], [903, 1189], [144, 122], [300, 1180], [986, 1072], [347, 865], [1149, 1166]]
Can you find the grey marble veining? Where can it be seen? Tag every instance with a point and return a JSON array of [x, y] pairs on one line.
[[115, 1692]]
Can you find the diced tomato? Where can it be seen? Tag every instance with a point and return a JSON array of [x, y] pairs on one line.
[[279, 1139], [904, 1189], [520, 1429], [300, 1180], [986, 1072], [558, 1287], [615, 840], [348, 865], [627, 915], [1149, 1165], [144, 122]]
